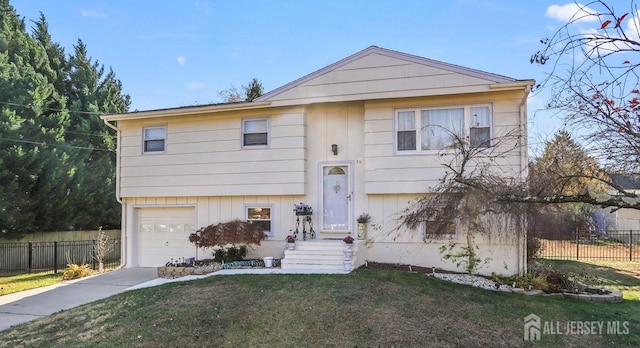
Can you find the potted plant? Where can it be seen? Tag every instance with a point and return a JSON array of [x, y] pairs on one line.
[[291, 242], [363, 219], [349, 241]]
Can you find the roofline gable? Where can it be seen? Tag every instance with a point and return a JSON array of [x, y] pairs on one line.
[[388, 53]]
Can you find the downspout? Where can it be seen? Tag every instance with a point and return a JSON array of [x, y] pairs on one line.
[[524, 173], [123, 220]]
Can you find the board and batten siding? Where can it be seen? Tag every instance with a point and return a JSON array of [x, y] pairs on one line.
[[204, 157], [387, 172]]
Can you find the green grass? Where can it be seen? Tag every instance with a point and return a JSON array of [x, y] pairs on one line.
[[367, 308], [15, 283]]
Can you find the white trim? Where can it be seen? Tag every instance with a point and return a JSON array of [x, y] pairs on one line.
[[166, 135], [242, 133], [351, 194], [132, 238], [418, 125], [271, 214]]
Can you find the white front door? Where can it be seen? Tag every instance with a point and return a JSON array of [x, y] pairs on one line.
[[336, 196]]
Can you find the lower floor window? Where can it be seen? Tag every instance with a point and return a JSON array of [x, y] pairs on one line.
[[438, 225], [260, 216]]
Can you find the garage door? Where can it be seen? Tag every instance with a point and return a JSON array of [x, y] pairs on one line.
[[163, 233]]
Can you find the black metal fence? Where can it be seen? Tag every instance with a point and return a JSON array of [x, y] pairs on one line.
[[620, 245], [54, 256]]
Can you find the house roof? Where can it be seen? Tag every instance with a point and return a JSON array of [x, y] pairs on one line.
[[627, 181], [312, 86]]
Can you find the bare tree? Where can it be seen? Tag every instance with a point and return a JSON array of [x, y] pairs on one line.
[[594, 83], [469, 196]]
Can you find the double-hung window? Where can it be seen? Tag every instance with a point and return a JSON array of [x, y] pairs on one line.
[[434, 129], [154, 139], [255, 132], [260, 216]]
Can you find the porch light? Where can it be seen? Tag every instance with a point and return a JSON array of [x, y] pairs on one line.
[[334, 149]]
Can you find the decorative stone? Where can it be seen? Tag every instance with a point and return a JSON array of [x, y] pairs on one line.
[[571, 295], [534, 292], [517, 291], [584, 297]]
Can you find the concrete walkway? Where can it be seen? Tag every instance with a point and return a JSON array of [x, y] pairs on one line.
[[24, 306]]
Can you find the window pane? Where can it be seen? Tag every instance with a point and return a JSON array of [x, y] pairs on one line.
[[153, 133], [440, 126], [265, 226], [154, 145], [406, 120], [480, 117], [436, 227], [480, 137], [406, 141], [406, 135], [154, 139], [255, 139], [261, 217], [255, 126]]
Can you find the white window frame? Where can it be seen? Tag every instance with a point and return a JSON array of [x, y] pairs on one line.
[[271, 216], [417, 111], [144, 141], [257, 146]]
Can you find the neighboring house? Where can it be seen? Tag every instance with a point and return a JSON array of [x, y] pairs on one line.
[[620, 223], [345, 139]]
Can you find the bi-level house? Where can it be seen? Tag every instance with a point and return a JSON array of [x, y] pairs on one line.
[[346, 139]]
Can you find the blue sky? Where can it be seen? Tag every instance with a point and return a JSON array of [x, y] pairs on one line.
[[177, 53]]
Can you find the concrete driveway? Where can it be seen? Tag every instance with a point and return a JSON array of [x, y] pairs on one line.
[[32, 304]]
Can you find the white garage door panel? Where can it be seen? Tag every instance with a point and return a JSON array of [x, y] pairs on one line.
[[163, 233]]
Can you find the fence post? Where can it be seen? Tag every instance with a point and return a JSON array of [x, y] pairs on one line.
[[30, 262], [55, 257], [630, 245], [577, 245], [93, 259]]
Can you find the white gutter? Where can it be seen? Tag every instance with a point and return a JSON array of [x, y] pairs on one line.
[[524, 167], [194, 110], [123, 220]]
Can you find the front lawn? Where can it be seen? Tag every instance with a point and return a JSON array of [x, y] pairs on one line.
[[367, 308], [15, 283]]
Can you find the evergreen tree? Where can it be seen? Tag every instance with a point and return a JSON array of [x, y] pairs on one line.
[[57, 158]]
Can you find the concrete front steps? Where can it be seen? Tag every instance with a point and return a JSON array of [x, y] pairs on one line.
[[319, 254]]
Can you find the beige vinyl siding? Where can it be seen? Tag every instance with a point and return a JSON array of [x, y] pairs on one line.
[[204, 156], [377, 77], [388, 172]]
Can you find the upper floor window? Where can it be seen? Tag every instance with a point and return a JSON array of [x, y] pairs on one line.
[[255, 132], [261, 216], [154, 139], [427, 129]]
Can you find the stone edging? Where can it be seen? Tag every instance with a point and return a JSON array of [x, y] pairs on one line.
[[614, 297]]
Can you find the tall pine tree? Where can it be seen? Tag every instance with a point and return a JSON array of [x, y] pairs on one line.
[[57, 159]]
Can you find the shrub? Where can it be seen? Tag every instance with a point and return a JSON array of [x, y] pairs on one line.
[[534, 247], [75, 271], [230, 254], [233, 232]]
